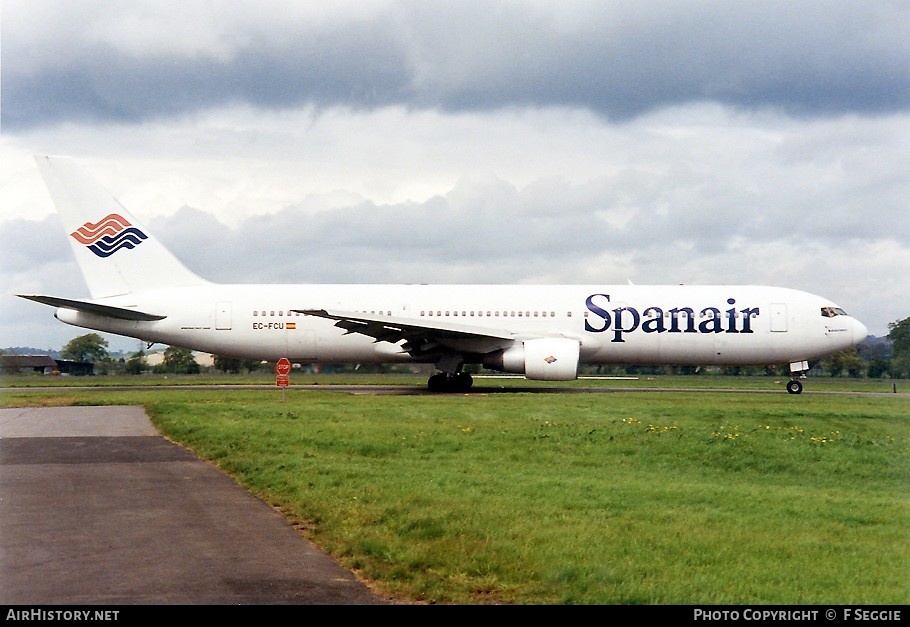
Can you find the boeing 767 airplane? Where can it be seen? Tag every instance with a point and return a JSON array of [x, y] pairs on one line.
[[544, 332]]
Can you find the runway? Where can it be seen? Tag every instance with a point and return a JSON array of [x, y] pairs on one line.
[[96, 507], [479, 388]]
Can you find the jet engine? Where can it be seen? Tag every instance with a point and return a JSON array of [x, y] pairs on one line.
[[543, 359]]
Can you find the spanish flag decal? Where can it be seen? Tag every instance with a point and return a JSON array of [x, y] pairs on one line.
[[291, 325]]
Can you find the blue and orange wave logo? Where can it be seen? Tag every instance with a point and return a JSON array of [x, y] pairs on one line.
[[111, 234]]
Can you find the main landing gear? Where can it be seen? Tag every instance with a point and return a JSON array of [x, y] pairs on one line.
[[450, 382], [794, 386], [450, 377]]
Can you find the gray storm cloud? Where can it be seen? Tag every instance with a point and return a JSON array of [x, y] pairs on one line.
[[617, 59]]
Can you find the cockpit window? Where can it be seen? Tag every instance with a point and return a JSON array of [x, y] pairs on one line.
[[830, 312]]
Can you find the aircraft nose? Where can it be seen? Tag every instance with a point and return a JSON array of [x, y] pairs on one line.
[[859, 331]]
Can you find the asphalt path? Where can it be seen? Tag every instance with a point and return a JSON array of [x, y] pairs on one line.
[[96, 507]]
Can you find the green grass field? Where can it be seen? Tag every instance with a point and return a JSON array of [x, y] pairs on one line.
[[549, 497]]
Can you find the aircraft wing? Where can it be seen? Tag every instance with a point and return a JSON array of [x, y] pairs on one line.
[[419, 337], [94, 308]]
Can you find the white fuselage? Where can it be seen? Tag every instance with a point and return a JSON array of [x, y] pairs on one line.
[[698, 325]]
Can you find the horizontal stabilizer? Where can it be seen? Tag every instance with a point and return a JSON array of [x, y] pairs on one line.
[[94, 308]]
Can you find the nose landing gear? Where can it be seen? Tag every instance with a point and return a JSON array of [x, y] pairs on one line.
[[797, 371]]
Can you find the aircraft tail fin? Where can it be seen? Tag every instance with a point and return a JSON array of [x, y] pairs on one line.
[[117, 255]]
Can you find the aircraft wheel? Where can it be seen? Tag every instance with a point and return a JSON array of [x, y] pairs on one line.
[[462, 382], [437, 382], [443, 382], [794, 386]]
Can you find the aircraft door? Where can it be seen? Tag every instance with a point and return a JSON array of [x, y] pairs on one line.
[[778, 317], [223, 316]]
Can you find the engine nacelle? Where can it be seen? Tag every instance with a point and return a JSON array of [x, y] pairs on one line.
[[544, 359]]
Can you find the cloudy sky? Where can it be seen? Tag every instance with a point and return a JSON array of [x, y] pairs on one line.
[[466, 141]]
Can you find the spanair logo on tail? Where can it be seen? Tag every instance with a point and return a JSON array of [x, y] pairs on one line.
[[108, 236]]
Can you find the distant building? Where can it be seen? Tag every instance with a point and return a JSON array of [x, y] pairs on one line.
[[75, 368], [44, 364], [155, 358]]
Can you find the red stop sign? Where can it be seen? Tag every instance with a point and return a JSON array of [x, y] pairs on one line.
[[283, 366]]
